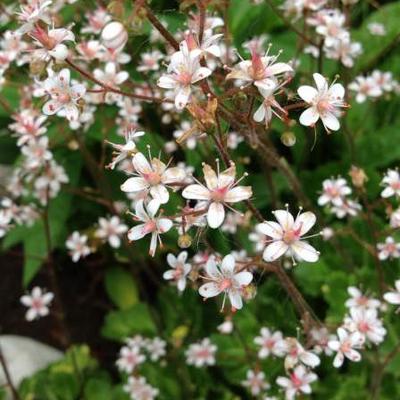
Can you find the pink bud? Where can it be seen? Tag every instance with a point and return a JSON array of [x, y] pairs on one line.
[[114, 36]]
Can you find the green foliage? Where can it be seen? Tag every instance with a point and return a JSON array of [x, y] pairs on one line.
[[137, 319], [121, 288]]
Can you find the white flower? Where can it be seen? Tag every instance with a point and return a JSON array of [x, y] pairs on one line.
[[266, 109], [153, 178], [111, 230], [367, 323], [36, 152], [224, 279], [376, 29], [28, 125], [395, 218], [183, 71], [271, 343], [151, 224], [348, 207], [201, 354], [298, 382], [344, 50], [126, 150], [77, 246], [296, 354], [321, 337], [221, 188], [365, 87], [345, 345], [5, 220], [286, 236], [32, 13], [112, 78], [64, 97], [389, 249], [260, 70], [37, 303], [226, 327], [324, 103], [150, 61], [391, 181], [156, 348], [129, 358], [393, 297], [180, 269], [359, 300], [255, 381], [50, 43], [334, 191], [139, 389]]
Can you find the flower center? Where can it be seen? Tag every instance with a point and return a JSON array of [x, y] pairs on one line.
[[153, 178], [226, 283], [291, 235], [150, 226], [219, 194]]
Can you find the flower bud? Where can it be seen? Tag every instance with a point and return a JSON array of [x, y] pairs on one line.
[[114, 36], [358, 176], [288, 139], [184, 241], [37, 67]]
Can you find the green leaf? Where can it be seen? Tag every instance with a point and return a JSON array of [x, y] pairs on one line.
[[121, 288], [119, 325], [376, 46], [97, 389]]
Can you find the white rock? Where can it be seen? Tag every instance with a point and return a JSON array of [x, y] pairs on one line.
[[25, 356]]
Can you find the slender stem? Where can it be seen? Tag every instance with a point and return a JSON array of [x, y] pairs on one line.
[[160, 27], [108, 88], [276, 10], [7, 375]]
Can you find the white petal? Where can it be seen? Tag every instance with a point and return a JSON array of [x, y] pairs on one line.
[[209, 289], [215, 215], [136, 233], [235, 299], [309, 117], [259, 115], [338, 361], [164, 225], [243, 278], [182, 97], [304, 251], [135, 184], [271, 229], [141, 164], [284, 218], [228, 264], [306, 221], [330, 121], [238, 193], [274, 250], [160, 193], [196, 192], [200, 73], [307, 93], [321, 82]]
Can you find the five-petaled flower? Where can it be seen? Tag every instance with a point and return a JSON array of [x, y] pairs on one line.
[[287, 236], [324, 102], [225, 279], [221, 189], [64, 96]]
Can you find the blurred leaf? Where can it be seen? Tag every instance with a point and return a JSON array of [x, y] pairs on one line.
[[119, 325], [121, 287]]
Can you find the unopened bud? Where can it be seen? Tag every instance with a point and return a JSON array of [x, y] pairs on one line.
[[37, 67], [358, 176], [288, 139], [249, 292], [184, 241], [114, 36]]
